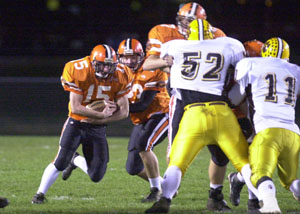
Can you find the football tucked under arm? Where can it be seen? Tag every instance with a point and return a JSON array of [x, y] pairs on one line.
[[97, 105]]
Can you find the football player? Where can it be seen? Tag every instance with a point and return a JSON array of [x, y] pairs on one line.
[[199, 71], [95, 77], [274, 88], [3, 202], [159, 35], [148, 108]]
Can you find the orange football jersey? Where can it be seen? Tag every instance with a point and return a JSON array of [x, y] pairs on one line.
[[79, 77], [160, 34], [149, 80]]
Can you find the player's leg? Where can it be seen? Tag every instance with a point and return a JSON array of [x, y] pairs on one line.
[[287, 166], [69, 142], [263, 155], [216, 172], [95, 151], [187, 144], [154, 131]]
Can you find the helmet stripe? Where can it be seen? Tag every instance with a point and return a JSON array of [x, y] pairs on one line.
[[193, 9], [128, 44], [108, 51], [200, 30], [280, 48]]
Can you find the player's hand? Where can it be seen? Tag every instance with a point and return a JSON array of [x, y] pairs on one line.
[[109, 109], [169, 60]]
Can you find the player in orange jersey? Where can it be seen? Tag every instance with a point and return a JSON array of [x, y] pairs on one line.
[[95, 77], [148, 108], [159, 35]]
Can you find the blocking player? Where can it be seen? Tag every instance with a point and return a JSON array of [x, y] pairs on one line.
[[159, 35], [94, 77], [199, 70], [148, 108], [274, 90]]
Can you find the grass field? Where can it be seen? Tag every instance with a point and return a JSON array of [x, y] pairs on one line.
[[24, 158]]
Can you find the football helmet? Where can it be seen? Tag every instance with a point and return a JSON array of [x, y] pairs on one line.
[[187, 13], [104, 60], [253, 48], [200, 29], [131, 53], [277, 48]]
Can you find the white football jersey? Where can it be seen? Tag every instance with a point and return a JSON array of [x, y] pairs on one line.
[[202, 65], [275, 86]]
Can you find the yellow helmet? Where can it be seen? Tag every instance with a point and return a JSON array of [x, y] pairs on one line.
[[277, 48], [200, 29]]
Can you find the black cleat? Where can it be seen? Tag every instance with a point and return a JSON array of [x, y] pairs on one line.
[[68, 171], [153, 196], [216, 201], [253, 206], [38, 198], [161, 206], [235, 188], [3, 202]]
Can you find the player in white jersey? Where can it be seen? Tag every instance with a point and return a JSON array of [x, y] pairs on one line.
[[199, 71], [274, 84]]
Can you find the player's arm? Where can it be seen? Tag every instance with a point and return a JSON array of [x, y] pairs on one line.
[[153, 62], [78, 108], [146, 99], [121, 113]]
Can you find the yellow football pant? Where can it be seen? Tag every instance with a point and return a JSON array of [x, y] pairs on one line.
[[275, 147], [207, 124]]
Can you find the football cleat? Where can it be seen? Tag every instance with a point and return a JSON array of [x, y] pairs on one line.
[[269, 204], [235, 188], [38, 198], [161, 206], [68, 171], [216, 201], [153, 196], [3, 202], [253, 206], [277, 48]]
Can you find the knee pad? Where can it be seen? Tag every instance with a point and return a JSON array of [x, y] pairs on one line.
[[63, 158], [134, 163], [96, 175], [295, 188]]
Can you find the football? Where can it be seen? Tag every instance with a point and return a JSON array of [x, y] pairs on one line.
[[97, 105]]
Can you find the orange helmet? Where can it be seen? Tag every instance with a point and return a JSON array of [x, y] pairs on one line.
[[187, 13], [253, 48], [104, 60], [131, 53]]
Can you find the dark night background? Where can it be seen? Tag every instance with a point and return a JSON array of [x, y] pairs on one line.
[[38, 37]]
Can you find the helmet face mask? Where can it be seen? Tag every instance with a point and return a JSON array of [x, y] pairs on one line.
[[186, 14], [131, 53], [104, 61], [277, 48]]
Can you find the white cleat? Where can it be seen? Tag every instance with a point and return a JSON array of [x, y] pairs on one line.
[[270, 204]]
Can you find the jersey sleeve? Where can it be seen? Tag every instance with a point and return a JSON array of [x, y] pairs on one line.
[[68, 79], [125, 78], [158, 82], [241, 74]]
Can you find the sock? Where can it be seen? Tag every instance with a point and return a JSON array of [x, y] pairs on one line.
[[49, 177], [172, 179], [80, 162], [246, 173], [267, 188], [240, 177], [155, 182], [215, 186], [295, 187], [251, 195]]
